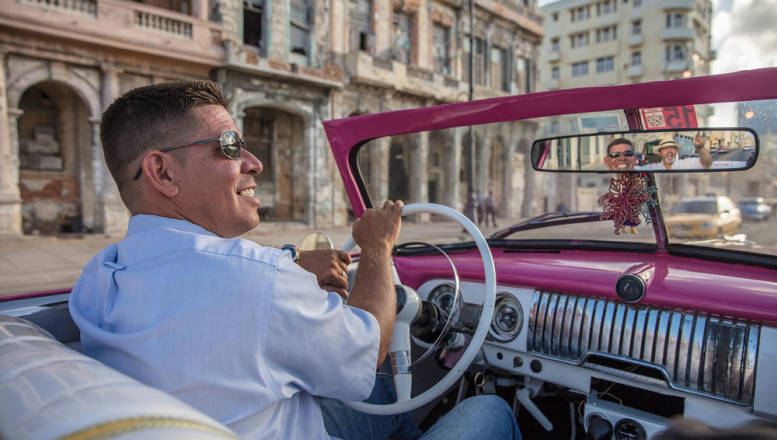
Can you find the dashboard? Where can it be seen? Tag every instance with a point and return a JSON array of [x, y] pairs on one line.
[[636, 366]]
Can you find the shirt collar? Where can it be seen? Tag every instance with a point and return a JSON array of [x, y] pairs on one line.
[[143, 222]]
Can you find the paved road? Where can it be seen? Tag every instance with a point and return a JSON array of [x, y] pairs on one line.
[[43, 263]]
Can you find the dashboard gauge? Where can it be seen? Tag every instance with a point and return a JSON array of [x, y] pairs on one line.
[[508, 318], [443, 296]]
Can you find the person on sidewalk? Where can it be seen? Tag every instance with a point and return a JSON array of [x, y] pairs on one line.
[[239, 331]]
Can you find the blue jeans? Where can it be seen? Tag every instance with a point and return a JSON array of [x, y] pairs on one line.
[[479, 417]]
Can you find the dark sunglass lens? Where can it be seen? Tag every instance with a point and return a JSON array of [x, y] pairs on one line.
[[232, 151], [628, 153]]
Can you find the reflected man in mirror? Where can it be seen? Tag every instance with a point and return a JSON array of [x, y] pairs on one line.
[[668, 150], [620, 155]]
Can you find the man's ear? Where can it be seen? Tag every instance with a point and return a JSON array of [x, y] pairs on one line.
[[160, 172]]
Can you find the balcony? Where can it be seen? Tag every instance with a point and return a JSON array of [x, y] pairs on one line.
[[678, 33], [119, 24], [675, 66], [371, 70], [552, 84], [554, 56], [634, 71], [610, 19], [635, 40], [687, 5]]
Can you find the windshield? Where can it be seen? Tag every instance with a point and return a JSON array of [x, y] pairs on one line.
[[485, 172]]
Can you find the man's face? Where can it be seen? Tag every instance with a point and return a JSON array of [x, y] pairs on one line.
[[621, 162], [216, 192], [668, 155]]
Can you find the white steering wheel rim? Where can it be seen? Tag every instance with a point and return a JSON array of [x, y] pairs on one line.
[[478, 337]]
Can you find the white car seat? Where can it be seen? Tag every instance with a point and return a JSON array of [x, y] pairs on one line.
[[48, 391]]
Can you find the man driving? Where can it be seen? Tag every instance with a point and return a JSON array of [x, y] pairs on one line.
[[242, 332], [620, 155]]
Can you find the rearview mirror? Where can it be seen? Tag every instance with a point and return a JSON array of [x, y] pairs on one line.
[[654, 151]]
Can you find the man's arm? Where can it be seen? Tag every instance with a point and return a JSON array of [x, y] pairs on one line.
[[705, 157], [373, 291]]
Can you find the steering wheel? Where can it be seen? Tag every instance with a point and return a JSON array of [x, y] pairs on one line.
[[399, 348]]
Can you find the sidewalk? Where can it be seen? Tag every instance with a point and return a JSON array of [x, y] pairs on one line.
[[36, 263]]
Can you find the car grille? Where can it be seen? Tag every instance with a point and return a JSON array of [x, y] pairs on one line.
[[699, 353]]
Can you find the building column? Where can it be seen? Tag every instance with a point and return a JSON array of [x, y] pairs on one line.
[[200, 9], [378, 183], [10, 199], [111, 213], [382, 19], [452, 169], [419, 172]]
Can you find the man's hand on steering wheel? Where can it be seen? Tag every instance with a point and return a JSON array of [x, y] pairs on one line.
[[378, 229]]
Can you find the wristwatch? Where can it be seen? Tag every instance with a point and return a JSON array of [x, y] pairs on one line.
[[293, 252]]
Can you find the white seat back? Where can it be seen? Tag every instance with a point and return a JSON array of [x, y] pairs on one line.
[[48, 391]]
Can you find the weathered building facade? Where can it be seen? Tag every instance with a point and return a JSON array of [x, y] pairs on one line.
[[286, 66]]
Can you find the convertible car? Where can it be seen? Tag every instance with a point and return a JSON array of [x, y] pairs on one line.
[[581, 309]]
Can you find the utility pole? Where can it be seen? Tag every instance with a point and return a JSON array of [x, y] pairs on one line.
[[471, 158]]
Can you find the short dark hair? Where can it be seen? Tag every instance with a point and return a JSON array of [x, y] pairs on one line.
[[618, 141], [140, 120]]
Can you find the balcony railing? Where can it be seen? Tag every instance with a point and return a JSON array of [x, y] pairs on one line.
[[120, 24], [635, 70], [86, 7], [635, 40], [160, 23], [678, 33], [419, 73], [674, 66], [687, 5]]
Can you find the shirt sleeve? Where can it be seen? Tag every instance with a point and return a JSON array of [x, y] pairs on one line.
[[315, 342]]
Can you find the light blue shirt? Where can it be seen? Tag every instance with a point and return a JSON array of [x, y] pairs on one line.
[[232, 328]]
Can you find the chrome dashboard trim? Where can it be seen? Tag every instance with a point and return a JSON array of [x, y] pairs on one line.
[[702, 354]]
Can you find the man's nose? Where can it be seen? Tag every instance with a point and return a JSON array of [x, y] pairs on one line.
[[251, 164]]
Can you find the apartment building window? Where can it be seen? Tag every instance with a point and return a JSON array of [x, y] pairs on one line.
[[580, 13], [480, 61], [253, 21], [636, 27], [499, 72], [524, 75], [579, 40], [675, 52], [675, 20], [360, 15], [606, 64], [299, 30], [636, 58], [441, 44], [555, 16], [554, 72], [554, 45], [402, 37], [580, 69], [606, 34], [606, 7]]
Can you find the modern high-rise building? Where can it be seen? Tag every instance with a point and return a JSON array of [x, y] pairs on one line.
[[607, 42]]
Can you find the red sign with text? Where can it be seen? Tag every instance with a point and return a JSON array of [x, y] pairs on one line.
[[669, 117]]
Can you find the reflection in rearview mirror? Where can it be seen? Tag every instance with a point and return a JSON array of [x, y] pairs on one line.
[[654, 151]]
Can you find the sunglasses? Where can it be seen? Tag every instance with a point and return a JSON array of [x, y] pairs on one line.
[[230, 144], [617, 154]]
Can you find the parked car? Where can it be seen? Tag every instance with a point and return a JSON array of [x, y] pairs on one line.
[[703, 217], [754, 208], [568, 316]]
